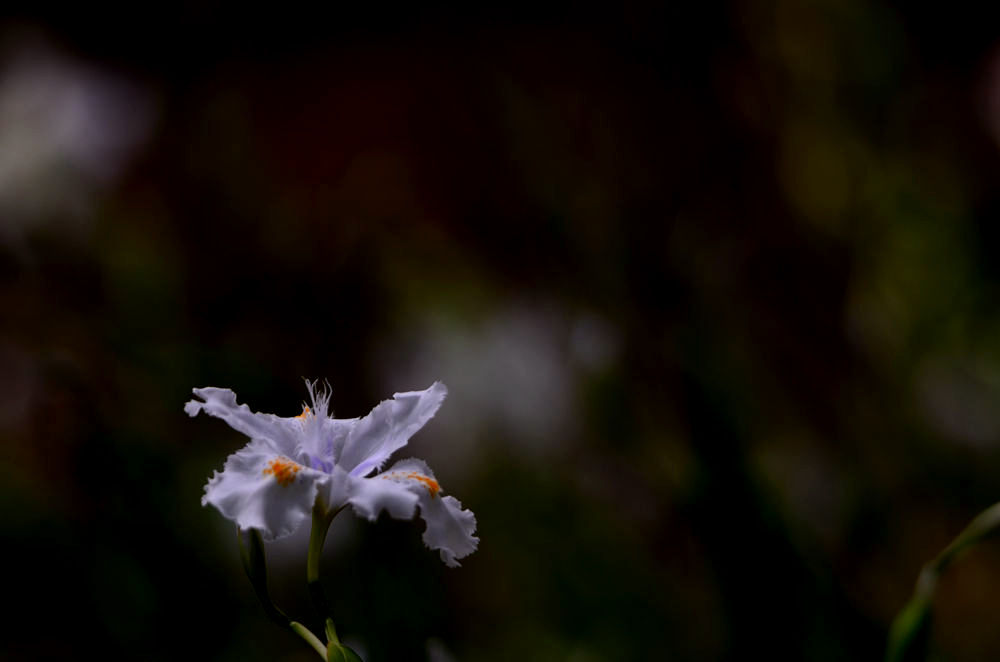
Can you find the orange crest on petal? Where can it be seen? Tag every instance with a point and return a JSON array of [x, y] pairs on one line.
[[432, 485], [283, 470]]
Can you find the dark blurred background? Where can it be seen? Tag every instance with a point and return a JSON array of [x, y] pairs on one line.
[[713, 286]]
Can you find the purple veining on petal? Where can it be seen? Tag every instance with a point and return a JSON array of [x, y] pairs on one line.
[[320, 465], [363, 468]]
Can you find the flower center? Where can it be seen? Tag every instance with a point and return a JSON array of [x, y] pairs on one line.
[[432, 485], [283, 470], [302, 416]]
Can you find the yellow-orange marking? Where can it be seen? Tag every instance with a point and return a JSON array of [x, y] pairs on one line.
[[283, 470], [432, 485], [305, 410]]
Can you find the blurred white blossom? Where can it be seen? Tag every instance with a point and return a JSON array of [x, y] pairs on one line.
[[516, 373], [66, 130]]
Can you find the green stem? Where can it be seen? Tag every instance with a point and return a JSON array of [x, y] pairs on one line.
[[255, 565], [321, 519], [909, 631], [310, 638], [331, 632], [985, 524]]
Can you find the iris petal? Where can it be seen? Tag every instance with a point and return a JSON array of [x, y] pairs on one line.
[[370, 497], [221, 403], [388, 427], [450, 528], [258, 489]]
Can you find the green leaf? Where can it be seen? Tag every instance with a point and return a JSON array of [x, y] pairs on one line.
[[351, 655], [331, 632], [910, 632], [255, 565], [341, 653]]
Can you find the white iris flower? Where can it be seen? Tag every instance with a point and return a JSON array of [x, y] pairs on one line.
[[293, 464]]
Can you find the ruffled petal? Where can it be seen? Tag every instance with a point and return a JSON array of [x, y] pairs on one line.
[[449, 529], [370, 497], [283, 433], [259, 489], [388, 427]]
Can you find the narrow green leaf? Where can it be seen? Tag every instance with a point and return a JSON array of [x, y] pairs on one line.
[[331, 632], [910, 632], [308, 637], [341, 653], [350, 655], [255, 565]]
